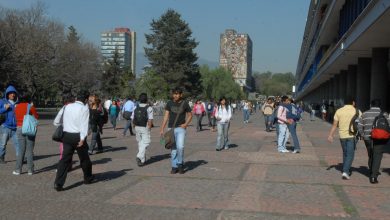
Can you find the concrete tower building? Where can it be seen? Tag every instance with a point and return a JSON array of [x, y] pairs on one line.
[[124, 41], [236, 56]]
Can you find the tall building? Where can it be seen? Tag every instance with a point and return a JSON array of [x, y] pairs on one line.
[[345, 53], [236, 56], [124, 41]]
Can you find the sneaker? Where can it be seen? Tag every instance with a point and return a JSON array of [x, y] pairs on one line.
[[345, 176], [296, 152], [139, 162], [181, 169], [174, 170], [284, 151], [15, 172], [30, 173], [226, 147]]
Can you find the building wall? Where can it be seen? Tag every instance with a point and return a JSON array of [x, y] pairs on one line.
[[236, 55]]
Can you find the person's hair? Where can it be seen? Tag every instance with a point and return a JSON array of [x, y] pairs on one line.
[[25, 98], [226, 102], [177, 90], [376, 103], [82, 96], [349, 100], [284, 98], [143, 98]]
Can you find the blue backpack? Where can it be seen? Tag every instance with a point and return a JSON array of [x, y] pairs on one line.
[[30, 124], [293, 112]]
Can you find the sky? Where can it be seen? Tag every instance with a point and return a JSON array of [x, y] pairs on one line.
[[275, 26]]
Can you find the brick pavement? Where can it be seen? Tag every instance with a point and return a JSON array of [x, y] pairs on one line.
[[248, 181]]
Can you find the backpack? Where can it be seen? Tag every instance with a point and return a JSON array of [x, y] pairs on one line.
[[293, 113], [380, 128], [30, 124], [141, 116], [209, 107], [353, 125]]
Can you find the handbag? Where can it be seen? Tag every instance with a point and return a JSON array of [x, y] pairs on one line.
[[29, 126], [169, 136], [59, 132]]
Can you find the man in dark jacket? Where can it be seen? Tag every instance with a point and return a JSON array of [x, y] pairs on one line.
[[8, 125]]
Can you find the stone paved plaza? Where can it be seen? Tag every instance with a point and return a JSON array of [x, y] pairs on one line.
[[251, 180]]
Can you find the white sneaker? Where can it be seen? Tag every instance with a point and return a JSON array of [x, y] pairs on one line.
[[284, 151], [296, 152], [345, 176], [15, 173]]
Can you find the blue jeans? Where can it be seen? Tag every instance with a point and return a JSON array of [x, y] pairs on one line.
[[128, 127], [246, 114], [26, 144], [282, 137], [348, 145], [223, 137], [5, 135], [293, 131], [268, 122], [177, 153], [113, 120]]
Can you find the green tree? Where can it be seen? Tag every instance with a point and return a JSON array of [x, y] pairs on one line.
[[111, 82], [152, 84], [171, 52], [127, 82], [274, 83]]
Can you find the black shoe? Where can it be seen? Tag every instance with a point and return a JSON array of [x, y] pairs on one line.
[[181, 169], [218, 149], [58, 188], [139, 163], [174, 170], [132, 134], [373, 180], [89, 180]]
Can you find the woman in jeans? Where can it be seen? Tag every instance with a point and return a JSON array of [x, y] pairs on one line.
[[113, 112], [95, 121], [223, 115], [26, 142], [199, 111]]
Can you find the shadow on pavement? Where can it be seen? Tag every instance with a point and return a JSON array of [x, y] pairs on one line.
[[113, 149], [233, 145], [362, 170], [40, 157], [110, 175], [190, 165], [105, 138], [157, 158]]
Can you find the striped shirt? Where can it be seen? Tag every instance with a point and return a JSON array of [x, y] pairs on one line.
[[367, 120]]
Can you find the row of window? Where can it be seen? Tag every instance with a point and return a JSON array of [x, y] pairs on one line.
[[112, 34], [349, 12]]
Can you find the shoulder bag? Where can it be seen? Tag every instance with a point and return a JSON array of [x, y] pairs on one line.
[[169, 136]]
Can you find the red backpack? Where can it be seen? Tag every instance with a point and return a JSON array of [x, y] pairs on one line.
[[380, 128]]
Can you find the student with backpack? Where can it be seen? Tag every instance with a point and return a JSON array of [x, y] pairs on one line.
[[210, 110], [26, 140], [293, 116], [374, 127], [142, 118], [343, 119]]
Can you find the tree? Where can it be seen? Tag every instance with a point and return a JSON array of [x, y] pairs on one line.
[[171, 52], [152, 84], [112, 74], [274, 83]]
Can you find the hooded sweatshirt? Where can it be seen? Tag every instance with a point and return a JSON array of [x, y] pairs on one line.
[[10, 120]]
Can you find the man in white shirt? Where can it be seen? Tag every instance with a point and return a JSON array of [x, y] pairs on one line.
[[107, 104], [127, 111], [75, 122]]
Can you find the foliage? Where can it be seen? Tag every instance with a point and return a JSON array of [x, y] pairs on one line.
[[171, 52], [274, 83], [152, 84], [218, 83]]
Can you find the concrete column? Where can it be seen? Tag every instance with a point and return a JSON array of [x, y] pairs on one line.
[[331, 89], [351, 81], [363, 83], [343, 86], [379, 76], [336, 88]]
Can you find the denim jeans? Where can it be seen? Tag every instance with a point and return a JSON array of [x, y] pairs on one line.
[[128, 127], [26, 144], [198, 122], [95, 139], [282, 137], [312, 115], [293, 131], [268, 122], [143, 139], [177, 153], [5, 135], [113, 120], [348, 146], [246, 114], [223, 137]]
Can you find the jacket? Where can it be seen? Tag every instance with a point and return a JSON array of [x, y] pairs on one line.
[[10, 119]]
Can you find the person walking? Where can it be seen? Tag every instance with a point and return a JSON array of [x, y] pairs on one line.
[[174, 107], [223, 115], [210, 110], [75, 126], [95, 122], [342, 119], [26, 142], [8, 124], [127, 111], [375, 147], [198, 111], [142, 118], [113, 112], [268, 110], [283, 133], [246, 111]]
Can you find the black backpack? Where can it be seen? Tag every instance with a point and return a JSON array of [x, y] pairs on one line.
[[141, 116], [353, 125], [380, 128]]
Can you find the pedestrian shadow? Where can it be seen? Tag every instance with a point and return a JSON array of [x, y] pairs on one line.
[[362, 169], [40, 157], [386, 170], [233, 145], [157, 158], [53, 167], [105, 138], [113, 149], [190, 165]]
